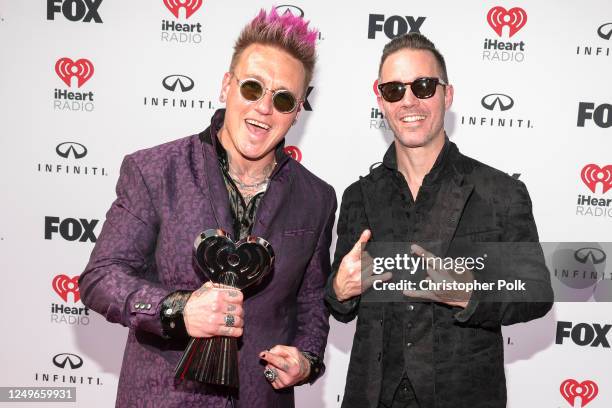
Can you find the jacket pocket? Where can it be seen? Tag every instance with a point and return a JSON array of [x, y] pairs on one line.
[[298, 232]]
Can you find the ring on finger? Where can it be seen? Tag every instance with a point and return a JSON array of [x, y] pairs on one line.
[[271, 374], [230, 320]]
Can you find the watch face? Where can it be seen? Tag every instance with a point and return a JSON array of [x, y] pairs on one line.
[[239, 264]]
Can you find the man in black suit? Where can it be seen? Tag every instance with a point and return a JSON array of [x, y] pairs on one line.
[[446, 352]]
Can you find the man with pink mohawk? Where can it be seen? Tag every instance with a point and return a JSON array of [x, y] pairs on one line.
[[236, 177]]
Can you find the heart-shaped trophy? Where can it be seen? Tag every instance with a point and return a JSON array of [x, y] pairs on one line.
[[214, 360]]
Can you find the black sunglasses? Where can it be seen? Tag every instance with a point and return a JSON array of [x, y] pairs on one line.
[[422, 88], [253, 90]]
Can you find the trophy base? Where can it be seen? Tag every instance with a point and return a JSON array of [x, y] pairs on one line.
[[211, 360]]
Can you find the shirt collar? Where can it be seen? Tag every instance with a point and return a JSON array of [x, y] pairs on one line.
[[390, 161]]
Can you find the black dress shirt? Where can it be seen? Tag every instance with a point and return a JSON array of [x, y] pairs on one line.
[[406, 336]]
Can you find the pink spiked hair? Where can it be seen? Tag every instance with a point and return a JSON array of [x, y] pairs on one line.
[[287, 32]]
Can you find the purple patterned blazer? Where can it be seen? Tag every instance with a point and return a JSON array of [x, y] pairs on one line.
[[168, 194]]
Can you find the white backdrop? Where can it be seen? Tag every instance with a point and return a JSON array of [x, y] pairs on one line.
[[551, 118]]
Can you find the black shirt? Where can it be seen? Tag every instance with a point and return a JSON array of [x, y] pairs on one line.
[[406, 338]]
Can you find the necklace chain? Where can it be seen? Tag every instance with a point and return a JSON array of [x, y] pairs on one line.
[[241, 185]]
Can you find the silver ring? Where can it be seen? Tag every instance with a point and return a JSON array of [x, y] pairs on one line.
[[270, 374], [229, 320]]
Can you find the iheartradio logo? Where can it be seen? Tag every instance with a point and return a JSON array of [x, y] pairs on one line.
[[515, 18], [63, 285], [190, 6], [571, 389], [294, 152], [592, 174], [82, 69]]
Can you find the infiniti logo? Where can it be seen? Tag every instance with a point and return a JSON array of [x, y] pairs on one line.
[[184, 82], [67, 148], [503, 101], [60, 360], [287, 8], [604, 32], [595, 255]]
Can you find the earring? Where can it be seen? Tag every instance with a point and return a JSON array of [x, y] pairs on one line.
[[221, 98]]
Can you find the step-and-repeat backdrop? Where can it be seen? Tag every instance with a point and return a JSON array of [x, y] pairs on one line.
[[84, 82]]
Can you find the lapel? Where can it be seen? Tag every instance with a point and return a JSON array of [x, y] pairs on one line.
[[379, 194], [276, 198], [210, 181], [446, 212]]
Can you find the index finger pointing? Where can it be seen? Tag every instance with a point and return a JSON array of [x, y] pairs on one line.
[[275, 360], [281, 350]]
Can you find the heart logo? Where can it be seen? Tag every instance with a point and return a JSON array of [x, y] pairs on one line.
[[63, 285], [515, 19], [191, 6], [238, 264], [294, 152], [66, 68], [586, 390], [592, 174]]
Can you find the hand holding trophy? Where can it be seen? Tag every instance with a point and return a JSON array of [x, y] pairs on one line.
[[238, 265]]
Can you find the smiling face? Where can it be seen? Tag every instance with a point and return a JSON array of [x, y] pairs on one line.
[[251, 130], [415, 122]]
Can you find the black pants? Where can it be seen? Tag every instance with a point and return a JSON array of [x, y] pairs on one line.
[[404, 396]]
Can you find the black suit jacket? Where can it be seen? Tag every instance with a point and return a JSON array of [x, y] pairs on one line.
[[465, 366]]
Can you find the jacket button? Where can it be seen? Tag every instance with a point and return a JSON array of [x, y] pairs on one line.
[[410, 308], [381, 322], [148, 306], [408, 344]]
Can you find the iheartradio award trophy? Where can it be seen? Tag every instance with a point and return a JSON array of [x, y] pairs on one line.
[[214, 360]]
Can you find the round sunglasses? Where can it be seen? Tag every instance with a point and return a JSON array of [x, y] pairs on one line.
[[422, 88], [253, 90]]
